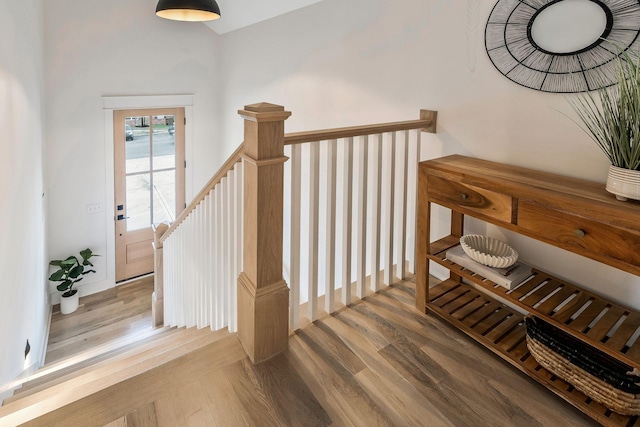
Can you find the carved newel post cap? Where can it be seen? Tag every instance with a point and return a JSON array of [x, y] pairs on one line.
[[264, 112], [263, 107]]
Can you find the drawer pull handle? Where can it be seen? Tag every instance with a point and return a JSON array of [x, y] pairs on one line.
[[579, 233], [464, 196]]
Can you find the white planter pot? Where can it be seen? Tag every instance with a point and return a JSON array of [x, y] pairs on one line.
[[69, 304], [624, 183]]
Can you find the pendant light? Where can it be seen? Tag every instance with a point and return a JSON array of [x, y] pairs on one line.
[[188, 10]]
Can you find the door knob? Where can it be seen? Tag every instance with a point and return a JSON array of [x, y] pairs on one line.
[[121, 217]]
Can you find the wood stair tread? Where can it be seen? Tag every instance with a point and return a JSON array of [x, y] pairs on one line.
[[95, 379], [76, 365]]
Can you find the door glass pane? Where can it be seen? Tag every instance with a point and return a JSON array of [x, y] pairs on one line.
[[138, 201], [164, 142], [164, 196], [138, 144], [150, 170]]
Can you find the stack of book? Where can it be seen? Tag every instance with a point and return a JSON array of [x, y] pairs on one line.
[[506, 277]]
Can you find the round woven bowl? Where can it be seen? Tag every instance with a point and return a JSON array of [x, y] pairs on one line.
[[488, 251]]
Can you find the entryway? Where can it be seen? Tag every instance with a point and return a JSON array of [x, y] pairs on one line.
[[149, 182]]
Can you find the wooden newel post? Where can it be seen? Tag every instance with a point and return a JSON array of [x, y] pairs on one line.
[[157, 298], [263, 295]]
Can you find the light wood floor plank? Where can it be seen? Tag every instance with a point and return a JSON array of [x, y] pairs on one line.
[[378, 362]]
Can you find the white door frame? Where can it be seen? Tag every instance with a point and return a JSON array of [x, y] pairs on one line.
[[111, 103]]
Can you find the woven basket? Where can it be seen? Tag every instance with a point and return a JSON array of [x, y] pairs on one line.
[[593, 387], [597, 363], [599, 376]]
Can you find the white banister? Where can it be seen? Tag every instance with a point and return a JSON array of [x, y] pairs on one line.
[[201, 259], [347, 215], [373, 199], [361, 224], [229, 238], [376, 215], [412, 205], [205, 249], [401, 247], [389, 224], [314, 215], [294, 233], [330, 226]]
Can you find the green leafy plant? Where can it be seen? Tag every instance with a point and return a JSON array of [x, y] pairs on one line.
[[612, 117], [71, 271]]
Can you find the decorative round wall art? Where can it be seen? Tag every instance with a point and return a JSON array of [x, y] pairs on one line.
[[562, 46]]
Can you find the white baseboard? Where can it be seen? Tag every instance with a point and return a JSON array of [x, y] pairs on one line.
[[43, 353], [88, 289]]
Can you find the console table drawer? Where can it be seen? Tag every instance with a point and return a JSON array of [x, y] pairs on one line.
[[487, 202], [571, 232]]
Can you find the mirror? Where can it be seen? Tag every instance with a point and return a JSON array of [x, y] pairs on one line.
[[568, 26]]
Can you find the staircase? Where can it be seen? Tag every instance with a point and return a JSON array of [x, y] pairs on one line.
[[222, 264], [109, 339], [79, 376]]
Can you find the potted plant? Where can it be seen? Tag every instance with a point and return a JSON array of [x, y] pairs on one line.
[[70, 271], [612, 120]]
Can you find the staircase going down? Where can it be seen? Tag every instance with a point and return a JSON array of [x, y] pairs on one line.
[[131, 351]]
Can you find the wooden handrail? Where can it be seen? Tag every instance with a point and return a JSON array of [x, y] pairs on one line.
[[222, 172], [427, 123]]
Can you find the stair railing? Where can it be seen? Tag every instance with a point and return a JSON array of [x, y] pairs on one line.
[[221, 264], [359, 219], [199, 257]]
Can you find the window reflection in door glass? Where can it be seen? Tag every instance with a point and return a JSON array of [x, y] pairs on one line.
[[164, 142], [138, 144]]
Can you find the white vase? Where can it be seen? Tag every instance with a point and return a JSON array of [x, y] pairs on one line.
[[69, 304], [624, 183]]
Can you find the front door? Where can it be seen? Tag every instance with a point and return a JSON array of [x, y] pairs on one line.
[[149, 182]]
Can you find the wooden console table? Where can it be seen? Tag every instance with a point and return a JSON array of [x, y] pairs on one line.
[[572, 214]]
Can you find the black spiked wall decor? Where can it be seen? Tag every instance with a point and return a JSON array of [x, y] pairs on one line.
[[520, 55]]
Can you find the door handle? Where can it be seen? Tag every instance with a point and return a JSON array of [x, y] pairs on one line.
[[121, 217]]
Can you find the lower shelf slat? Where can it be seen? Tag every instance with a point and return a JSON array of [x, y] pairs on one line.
[[501, 329], [600, 323]]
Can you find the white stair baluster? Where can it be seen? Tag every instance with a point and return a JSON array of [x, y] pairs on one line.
[[239, 201], [361, 228], [211, 294], [314, 211], [401, 248], [376, 215], [198, 243], [347, 216], [413, 203], [231, 243], [294, 261], [224, 275], [330, 227], [390, 184]]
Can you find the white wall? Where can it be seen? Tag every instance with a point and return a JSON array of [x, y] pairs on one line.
[[351, 62], [24, 306], [333, 63], [116, 48]]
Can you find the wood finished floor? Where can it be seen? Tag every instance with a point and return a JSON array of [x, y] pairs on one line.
[[119, 315], [378, 362]]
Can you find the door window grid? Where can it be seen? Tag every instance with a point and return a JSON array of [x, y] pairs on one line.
[[150, 170]]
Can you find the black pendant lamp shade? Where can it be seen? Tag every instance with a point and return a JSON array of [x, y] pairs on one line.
[[188, 10]]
